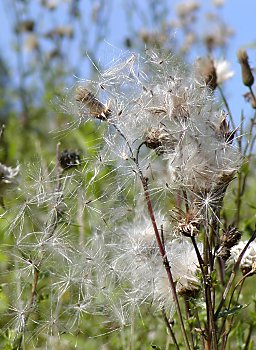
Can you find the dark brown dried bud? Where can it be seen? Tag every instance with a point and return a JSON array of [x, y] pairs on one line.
[[69, 159], [247, 76], [228, 239], [188, 293], [210, 42], [96, 108], [61, 32], [224, 253], [207, 70], [128, 43], [25, 26]]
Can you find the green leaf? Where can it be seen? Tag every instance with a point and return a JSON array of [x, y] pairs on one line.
[[232, 311]]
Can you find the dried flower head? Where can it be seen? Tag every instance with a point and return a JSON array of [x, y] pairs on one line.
[[218, 36], [222, 129], [50, 4], [251, 99], [152, 39], [218, 3], [186, 223], [69, 159]]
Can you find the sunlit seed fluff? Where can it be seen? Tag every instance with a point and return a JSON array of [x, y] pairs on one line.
[[8, 178], [204, 160], [248, 258], [223, 70], [185, 270], [160, 102]]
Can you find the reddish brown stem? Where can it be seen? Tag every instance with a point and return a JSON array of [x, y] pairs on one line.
[[165, 259]]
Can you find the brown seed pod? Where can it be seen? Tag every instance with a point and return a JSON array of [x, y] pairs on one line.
[[96, 108], [207, 70]]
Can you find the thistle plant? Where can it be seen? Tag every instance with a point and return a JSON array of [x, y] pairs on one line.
[[137, 225]]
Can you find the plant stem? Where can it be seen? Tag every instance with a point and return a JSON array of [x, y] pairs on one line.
[[170, 330], [164, 257], [189, 316], [160, 244], [211, 328], [247, 343]]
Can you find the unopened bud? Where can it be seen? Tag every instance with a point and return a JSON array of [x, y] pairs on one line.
[[247, 75]]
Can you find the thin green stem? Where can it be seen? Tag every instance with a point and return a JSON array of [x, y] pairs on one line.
[[227, 107], [170, 330]]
